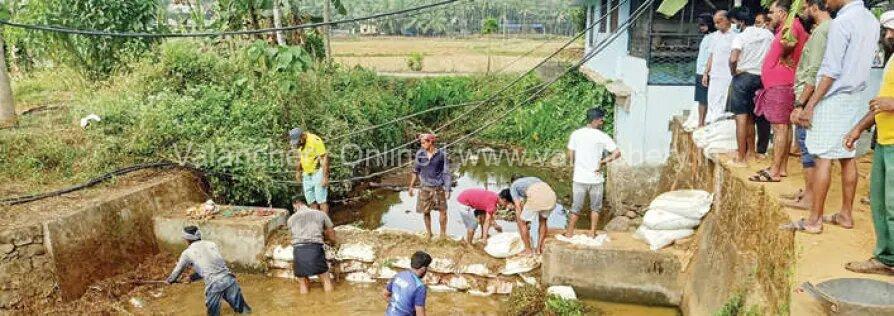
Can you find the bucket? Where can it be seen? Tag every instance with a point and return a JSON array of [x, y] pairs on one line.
[[854, 296]]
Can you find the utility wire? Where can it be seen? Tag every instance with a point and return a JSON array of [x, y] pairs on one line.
[[496, 94], [634, 16], [598, 49], [85, 32]]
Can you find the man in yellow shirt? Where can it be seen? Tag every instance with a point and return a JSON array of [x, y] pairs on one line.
[[881, 200], [313, 168]]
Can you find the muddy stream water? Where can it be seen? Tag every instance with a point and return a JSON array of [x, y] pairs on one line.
[[391, 208]]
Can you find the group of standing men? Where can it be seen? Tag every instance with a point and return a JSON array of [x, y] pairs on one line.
[[813, 78]]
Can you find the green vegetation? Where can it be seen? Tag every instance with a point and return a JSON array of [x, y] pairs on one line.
[[556, 305], [490, 25], [736, 307], [94, 56], [414, 61], [226, 111], [546, 123], [526, 300]]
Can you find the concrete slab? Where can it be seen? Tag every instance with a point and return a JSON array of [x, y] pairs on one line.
[[624, 270], [242, 240]]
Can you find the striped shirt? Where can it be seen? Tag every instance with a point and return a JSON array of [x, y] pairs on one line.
[[307, 226]]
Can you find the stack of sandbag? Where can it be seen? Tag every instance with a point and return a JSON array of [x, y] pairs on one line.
[[718, 137], [672, 216]]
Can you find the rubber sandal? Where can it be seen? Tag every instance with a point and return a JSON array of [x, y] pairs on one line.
[[871, 266], [833, 219], [767, 170], [762, 176], [800, 226]]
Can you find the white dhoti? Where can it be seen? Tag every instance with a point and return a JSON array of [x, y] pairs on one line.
[[833, 118], [718, 92]]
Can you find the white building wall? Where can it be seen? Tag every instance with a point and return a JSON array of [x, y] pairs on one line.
[[641, 129], [606, 61]]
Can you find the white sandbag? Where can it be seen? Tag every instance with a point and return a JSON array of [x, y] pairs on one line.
[[504, 245], [565, 292], [359, 252], [658, 239], [518, 265], [458, 282], [402, 263], [477, 269], [724, 130], [687, 203], [283, 253], [584, 240], [658, 219], [529, 279], [441, 265]]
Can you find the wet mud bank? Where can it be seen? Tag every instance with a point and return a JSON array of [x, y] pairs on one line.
[[51, 258]]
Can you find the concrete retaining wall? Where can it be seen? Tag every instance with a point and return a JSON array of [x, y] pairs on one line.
[[62, 256], [738, 248], [242, 241], [637, 276]]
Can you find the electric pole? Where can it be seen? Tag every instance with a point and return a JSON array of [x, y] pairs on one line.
[[327, 16], [277, 23]]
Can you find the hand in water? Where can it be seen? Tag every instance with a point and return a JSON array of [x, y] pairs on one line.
[[411, 191]]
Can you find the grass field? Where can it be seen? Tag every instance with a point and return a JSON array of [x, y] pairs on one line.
[[450, 55]]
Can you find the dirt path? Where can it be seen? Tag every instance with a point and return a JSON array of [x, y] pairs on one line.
[[822, 257]]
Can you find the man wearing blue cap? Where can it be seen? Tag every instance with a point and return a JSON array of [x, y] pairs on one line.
[[313, 168]]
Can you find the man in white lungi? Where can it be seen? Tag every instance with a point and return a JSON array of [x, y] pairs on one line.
[[717, 76], [836, 105]]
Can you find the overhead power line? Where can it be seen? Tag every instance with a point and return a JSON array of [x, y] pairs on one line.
[[85, 32], [494, 96]]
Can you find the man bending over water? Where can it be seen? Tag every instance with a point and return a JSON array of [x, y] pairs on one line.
[[308, 226], [532, 199], [205, 259]]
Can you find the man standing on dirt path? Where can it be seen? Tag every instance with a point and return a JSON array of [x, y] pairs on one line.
[[308, 227], [717, 76], [205, 259], [313, 168], [532, 199], [777, 98], [881, 200], [805, 83], [835, 107], [586, 148], [433, 171], [406, 293], [748, 51]]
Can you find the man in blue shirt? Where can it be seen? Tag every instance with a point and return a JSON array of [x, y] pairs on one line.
[[432, 170], [406, 293]]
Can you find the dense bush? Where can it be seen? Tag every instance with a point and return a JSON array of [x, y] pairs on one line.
[[546, 123], [95, 56]]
